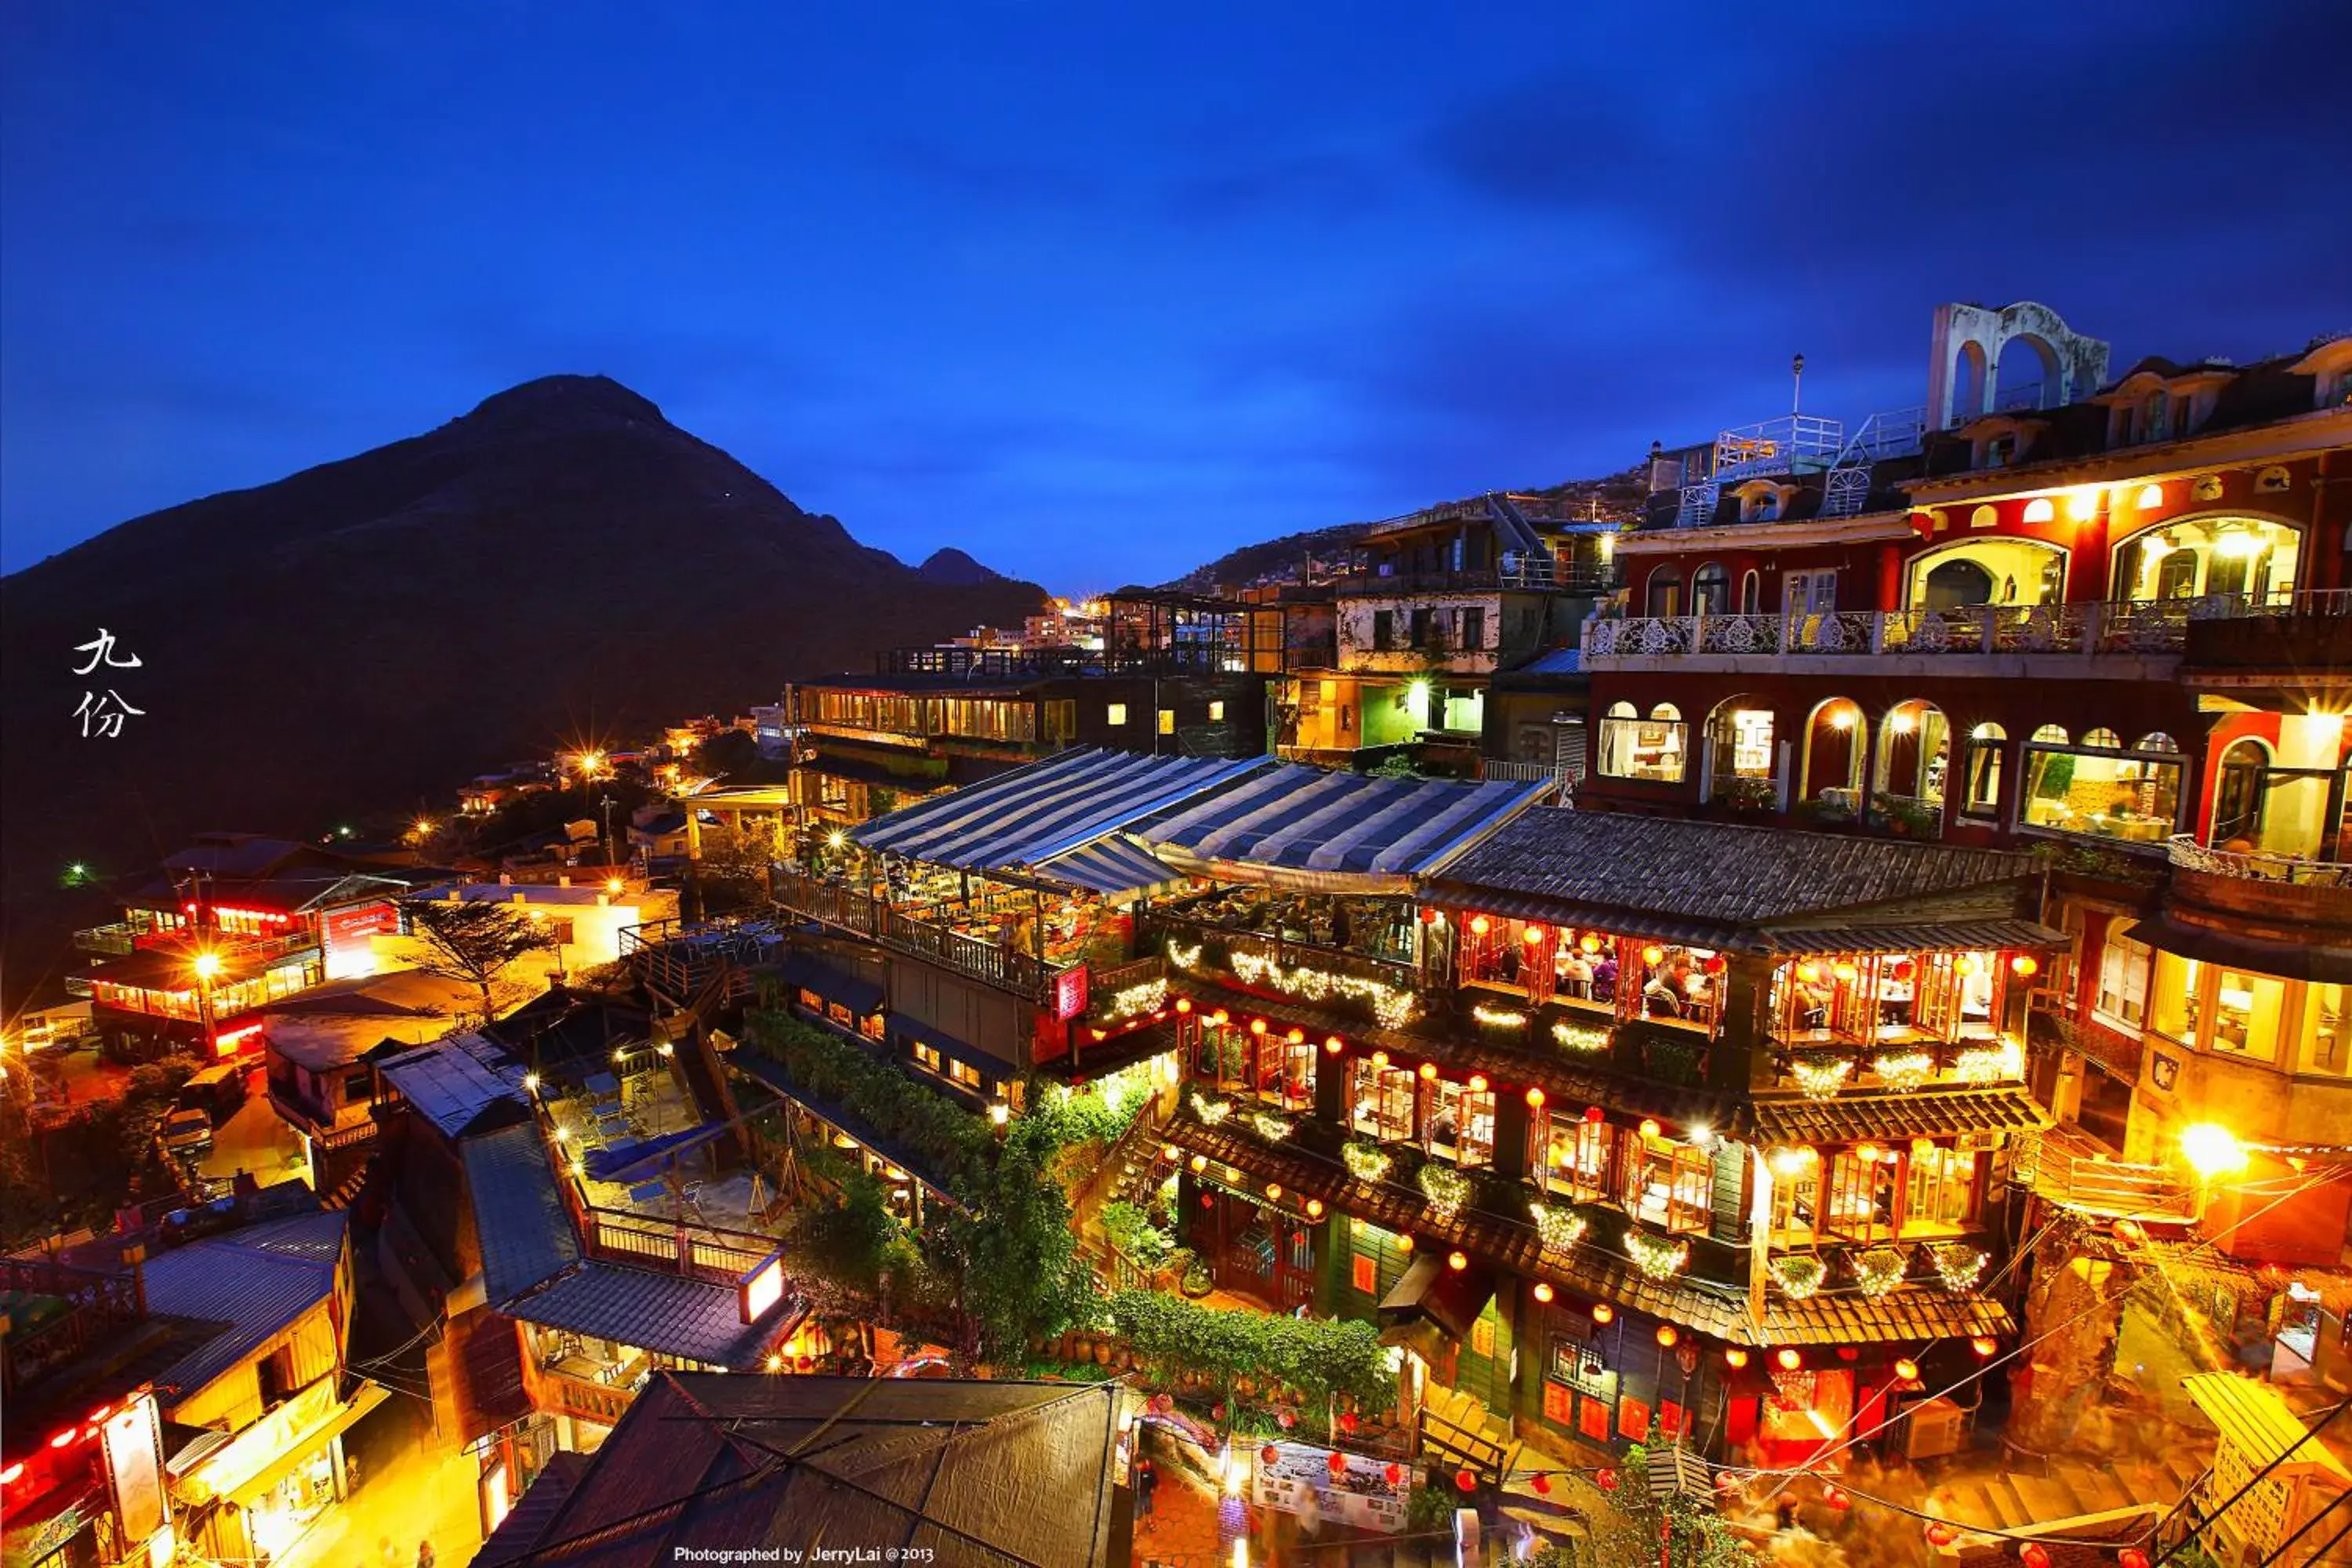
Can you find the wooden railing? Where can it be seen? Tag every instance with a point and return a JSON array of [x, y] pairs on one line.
[[2069, 1173], [696, 1249], [557, 1393], [848, 909]]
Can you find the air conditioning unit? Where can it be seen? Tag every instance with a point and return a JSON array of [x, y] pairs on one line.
[[1934, 1430]]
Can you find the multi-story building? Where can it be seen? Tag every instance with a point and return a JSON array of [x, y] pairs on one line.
[[1170, 675], [1432, 606], [2102, 618]]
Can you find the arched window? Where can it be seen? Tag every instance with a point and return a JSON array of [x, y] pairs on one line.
[[2238, 796], [1740, 729], [1666, 592], [2154, 409], [1952, 584], [1627, 710], [1835, 744], [1915, 752], [2123, 975], [1711, 590], [2042, 509], [2098, 790], [2155, 741], [1751, 593], [1650, 748], [1997, 571], [2200, 556], [1980, 795], [2051, 735], [2104, 737]]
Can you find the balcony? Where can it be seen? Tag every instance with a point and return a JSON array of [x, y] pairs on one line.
[[846, 909], [2301, 643], [2272, 897], [1529, 573], [1993, 636]]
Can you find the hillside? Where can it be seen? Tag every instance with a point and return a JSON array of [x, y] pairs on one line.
[[560, 564]]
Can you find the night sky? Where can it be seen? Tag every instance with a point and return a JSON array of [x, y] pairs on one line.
[[1097, 291]]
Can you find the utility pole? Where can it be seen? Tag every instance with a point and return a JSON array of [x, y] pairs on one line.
[[1797, 384]]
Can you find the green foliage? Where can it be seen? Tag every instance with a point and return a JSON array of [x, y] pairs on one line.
[[1672, 1058], [471, 942], [1395, 766], [853, 1245], [1134, 1232], [1431, 1507], [951, 1144], [1008, 1247], [1086, 1116], [1319, 1358]]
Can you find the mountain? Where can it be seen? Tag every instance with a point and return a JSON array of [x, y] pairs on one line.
[[561, 564], [952, 568]]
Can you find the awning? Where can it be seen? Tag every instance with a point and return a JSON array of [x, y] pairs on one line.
[[1302, 826], [1952, 936], [1450, 1298], [1878, 1118], [2283, 960], [245, 1471], [1030, 814], [1116, 867]]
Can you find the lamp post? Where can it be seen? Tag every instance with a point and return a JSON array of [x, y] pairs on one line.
[[207, 967]]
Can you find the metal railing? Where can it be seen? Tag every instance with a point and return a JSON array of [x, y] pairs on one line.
[[861, 914], [1495, 770], [2257, 865], [2129, 628], [1777, 446], [2328, 603]]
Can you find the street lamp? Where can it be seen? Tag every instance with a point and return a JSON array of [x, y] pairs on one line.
[[207, 967]]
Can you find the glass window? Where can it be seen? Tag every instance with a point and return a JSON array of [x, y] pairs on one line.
[[1461, 1123], [2173, 1004], [1285, 1072], [2246, 1010], [1572, 1156], [1983, 770], [1743, 743], [1382, 1101], [1711, 590], [1862, 1198], [1636, 748], [2123, 975], [1217, 711], [1667, 1184], [928, 1056], [1681, 985], [1940, 1188], [1585, 968], [1168, 721], [2132, 797], [1796, 1202], [2324, 1035], [1114, 713]]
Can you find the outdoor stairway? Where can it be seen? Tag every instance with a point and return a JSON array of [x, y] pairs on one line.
[[1458, 1432], [2073, 1494], [343, 1196]]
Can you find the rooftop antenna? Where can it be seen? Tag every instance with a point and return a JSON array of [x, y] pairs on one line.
[[1796, 383]]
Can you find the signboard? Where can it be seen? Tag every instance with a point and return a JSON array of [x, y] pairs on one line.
[[1300, 1481], [1070, 993], [135, 1464], [345, 934], [762, 1288]]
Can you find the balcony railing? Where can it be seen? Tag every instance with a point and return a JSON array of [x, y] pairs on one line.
[[1975, 630], [2258, 866], [1155, 929], [1539, 573], [847, 909]]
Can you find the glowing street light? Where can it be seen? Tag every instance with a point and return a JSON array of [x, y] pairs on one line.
[[206, 965], [2213, 1150]]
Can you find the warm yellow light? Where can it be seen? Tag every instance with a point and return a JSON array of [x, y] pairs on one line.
[[1000, 1113], [2024, 966], [424, 826], [2083, 502], [1790, 1359], [1380, 1059], [1477, 1083], [2213, 1150], [207, 966], [1404, 1243], [1904, 723], [1844, 973], [775, 1363], [1649, 1127], [2150, 497], [614, 885], [2239, 543], [835, 839], [1543, 1292], [1429, 1073], [1842, 719], [1907, 1370], [1457, 1261], [2040, 509], [1867, 1152], [1478, 925], [1734, 1357], [1533, 936], [1315, 1208], [564, 1135], [1654, 955], [1199, 1163], [530, 1083], [1274, 1192], [1589, 942], [1667, 1336], [1602, 1312], [1535, 1099]]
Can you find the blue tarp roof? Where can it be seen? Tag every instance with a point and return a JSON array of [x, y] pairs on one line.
[[1020, 821], [1298, 824], [643, 1156]]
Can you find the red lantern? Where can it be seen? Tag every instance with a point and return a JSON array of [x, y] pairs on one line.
[[1714, 966], [1347, 1421], [1393, 1475], [1837, 1500], [1464, 1481], [1606, 1479], [1595, 1115], [1286, 1420], [2131, 1557], [1337, 1465], [1269, 1455], [1941, 1534], [1542, 1485], [2034, 1554], [1903, 969], [1216, 1412]]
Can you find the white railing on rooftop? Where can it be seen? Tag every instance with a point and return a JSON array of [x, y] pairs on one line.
[[2117, 628], [1777, 447]]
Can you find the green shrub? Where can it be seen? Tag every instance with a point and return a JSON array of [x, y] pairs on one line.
[[1316, 1357]]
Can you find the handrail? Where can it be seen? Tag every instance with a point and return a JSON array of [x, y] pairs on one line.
[[862, 914], [2256, 865]]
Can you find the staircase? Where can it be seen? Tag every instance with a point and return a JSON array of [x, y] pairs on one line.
[[2075, 1172], [343, 1196], [1459, 1433], [2070, 1496], [1845, 489]]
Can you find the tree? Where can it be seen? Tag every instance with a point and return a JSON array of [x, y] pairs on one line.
[[472, 943], [1009, 1249]]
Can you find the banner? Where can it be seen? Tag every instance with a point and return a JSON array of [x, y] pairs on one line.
[[1300, 1482]]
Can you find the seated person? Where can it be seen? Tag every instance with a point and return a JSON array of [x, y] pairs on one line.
[[1573, 972], [1658, 998]]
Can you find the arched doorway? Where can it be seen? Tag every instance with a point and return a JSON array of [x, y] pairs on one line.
[[1914, 754], [1711, 590], [1835, 737], [2197, 557], [1990, 571], [1950, 585]]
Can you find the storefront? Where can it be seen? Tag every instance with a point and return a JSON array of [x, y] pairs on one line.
[[272, 1482]]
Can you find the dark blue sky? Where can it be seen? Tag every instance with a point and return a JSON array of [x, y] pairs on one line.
[[1097, 291]]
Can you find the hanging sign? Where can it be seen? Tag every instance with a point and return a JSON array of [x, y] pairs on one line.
[[1300, 1482]]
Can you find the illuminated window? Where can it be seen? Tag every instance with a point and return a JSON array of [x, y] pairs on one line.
[[929, 1056], [1684, 986], [2098, 790], [1382, 1101], [1168, 721], [1982, 765], [1667, 1184], [2324, 1035], [965, 1074], [1796, 1204], [1571, 1156], [1461, 1123], [1114, 713], [1217, 711], [2040, 510], [1635, 748], [2246, 1010], [2123, 975], [1861, 1199], [1940, 1189]]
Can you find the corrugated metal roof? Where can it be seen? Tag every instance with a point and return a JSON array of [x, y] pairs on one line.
[[1116, 867], [695, 1320], [1304, 819], [1033, 814], [254, 1283], [942, 1470], [518, 1215], [2254, 1418], [1559, 661], [452, 1083]]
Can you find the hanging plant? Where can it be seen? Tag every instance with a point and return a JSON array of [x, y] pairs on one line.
[[1273, 1129], [1989, 1064], [1446, 1188], [1903, 1071], [1820, 1074], [1367, 1161], [1798, 1275], [1880, 1269], [1657, 1259], [1211, 1111], [1136, 1000], [1561, 1229], [1391, 1007], [1961, 1265], [1182, 957], [1498, 1017], [1580, 1036]]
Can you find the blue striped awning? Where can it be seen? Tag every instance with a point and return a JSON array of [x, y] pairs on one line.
[[1116, 867], [1302, 826], [1028, 816]]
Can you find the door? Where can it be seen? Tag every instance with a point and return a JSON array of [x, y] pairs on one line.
[[1805, 593], [1294, 1275]]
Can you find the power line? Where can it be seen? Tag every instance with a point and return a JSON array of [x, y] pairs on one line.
[[2320, 1555], [2251, 1482]]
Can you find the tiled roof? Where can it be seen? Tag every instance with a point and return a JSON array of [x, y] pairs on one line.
[[253, 1282], [1922, 1113], [694, 1320], [1941, 936], [518, 1215], [1720, 872], [926, 1469]]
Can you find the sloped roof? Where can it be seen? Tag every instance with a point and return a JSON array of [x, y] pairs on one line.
[[694, 1320], [254, 1283], [1728, 874], [941, 1469], [518, 1214], [458, 1083]]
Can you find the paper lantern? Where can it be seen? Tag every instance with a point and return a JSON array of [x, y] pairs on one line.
[[1208, 1199], [1605, 1478], [1393, 1474], [1296, 1037], [1404, 1243], [1654, 955], [1984, 1345], [1170, 1151], [1429, 1073], [1649, 1127], [1907, 1370], [1286, 1420], [1347, 1421], [1337, 1465], [1735, 1358], [1199, 1163], [1257, 1026], [1464, 1481], [1478, 925], [1457, 1261], [1380, 1059], [1965, 965], [2131, 1557], [1589, 942], [1837, 1500], [1535, 1099], [1269, 1455], [1543, 1292], [1183, 1003], [1315, 1208], [1844, 973], [1666, 1336], [1221, 1017], [1904, 969], [2023, 966], [1332, 1046], [1941, 1534], [1274, 1192], [2034, 1554], [1715, 965], [1217, 1412], [1477, 1083], [1542, 1485], [1603, 1312], [1789, 1359], [1593, 1113]]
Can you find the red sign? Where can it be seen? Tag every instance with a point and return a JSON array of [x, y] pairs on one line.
[[1070, 993], [345, 933]]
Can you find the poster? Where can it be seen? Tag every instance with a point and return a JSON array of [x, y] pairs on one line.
[[1300, 1481], [134, 1463], [1070, 993]]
